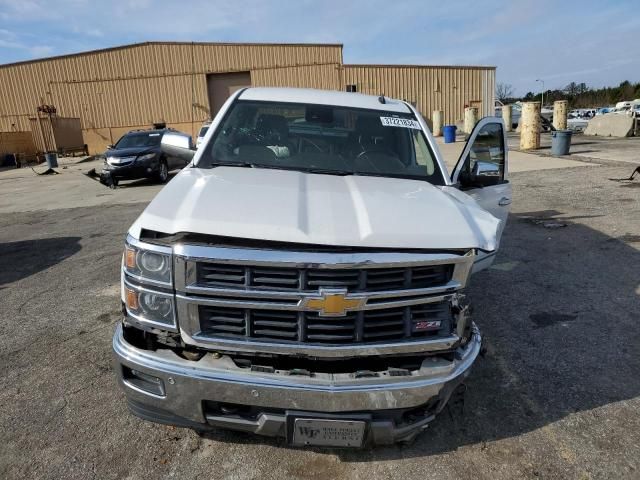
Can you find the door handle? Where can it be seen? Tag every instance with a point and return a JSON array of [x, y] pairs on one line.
[[504, 201]]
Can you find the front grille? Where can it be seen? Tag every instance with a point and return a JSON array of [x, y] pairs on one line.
[[120, 161], [368, 326], [310, 279]]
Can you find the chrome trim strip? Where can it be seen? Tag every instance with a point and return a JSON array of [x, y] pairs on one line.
[[148, 281], [297, 295], [299, 259], [323, 351], [298, 306], [148, 246], [140, 390]]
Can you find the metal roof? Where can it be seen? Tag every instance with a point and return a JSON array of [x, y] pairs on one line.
[[323, 97], [143, 44], [393, 65]]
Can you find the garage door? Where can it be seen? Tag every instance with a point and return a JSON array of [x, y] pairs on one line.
[[221, 85]]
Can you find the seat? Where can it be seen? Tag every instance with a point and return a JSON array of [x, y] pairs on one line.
[[274, 128]]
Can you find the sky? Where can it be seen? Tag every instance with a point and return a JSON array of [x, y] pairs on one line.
[[589, 41]]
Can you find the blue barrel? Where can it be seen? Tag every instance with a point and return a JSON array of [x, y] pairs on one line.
[[52, 160], [560, 142], [449, 132]]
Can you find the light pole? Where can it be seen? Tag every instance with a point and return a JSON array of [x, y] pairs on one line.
[[542, 95]]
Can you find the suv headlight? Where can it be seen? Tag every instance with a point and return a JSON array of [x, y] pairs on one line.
[[148, 156], [148, 265], [147, 306]]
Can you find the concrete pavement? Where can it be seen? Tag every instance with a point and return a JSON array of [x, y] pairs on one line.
[[518, 161]]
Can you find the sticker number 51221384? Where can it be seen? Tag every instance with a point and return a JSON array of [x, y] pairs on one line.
[[400, 122]]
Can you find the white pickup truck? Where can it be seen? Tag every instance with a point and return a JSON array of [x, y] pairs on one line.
[[304, 276]]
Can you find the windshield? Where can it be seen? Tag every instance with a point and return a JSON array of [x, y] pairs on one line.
[[132, 140], [322, 139]]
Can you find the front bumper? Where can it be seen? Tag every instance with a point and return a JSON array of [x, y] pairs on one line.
[[133, 171], [187, 388]]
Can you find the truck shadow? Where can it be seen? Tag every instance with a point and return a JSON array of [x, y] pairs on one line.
[[560, 318], [28, 257]]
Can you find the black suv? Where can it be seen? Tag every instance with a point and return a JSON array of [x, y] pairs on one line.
[[138, 155]]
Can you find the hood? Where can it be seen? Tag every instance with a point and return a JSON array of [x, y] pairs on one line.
[[290, 206], [129, 152]]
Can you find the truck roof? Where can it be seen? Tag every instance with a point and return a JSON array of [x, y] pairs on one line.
[[323, 97]]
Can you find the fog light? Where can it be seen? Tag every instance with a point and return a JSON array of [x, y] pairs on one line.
[[143, 381]]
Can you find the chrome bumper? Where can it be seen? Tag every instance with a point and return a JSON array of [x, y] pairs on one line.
[[186, 385]]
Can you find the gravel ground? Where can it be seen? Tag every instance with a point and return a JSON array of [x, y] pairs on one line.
[[556, 396]]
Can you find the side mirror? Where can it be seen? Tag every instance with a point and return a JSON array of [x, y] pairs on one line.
[[109, 147], [178, 145], [482, 174], [485, 174]]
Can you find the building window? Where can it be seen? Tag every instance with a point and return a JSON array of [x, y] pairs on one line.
[[352, 88]]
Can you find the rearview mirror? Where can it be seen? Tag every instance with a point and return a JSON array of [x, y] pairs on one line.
[[178, 145]]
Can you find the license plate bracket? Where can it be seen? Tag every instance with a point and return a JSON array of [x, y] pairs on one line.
[[326, 431]]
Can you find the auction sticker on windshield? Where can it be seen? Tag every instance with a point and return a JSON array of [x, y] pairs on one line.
[[400, 122]]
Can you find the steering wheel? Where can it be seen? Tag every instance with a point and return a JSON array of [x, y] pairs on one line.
[[383, 150]]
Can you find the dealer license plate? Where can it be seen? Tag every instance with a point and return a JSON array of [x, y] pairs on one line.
[[334, 433]]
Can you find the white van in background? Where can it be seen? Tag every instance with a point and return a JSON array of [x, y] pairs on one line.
[[202, 132]]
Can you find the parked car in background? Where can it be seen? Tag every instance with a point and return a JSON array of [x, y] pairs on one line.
[[203, 131], [605, 110], [138, 155]]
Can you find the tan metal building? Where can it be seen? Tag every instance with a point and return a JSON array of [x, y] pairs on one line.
[[119, 89], [429, 88]]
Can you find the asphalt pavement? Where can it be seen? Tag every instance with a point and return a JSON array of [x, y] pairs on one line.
[[556, 396]]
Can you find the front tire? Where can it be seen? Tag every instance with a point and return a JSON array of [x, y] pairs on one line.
[[163, 172]]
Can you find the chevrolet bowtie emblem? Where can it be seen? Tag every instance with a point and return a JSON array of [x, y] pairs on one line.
[[333, 302]]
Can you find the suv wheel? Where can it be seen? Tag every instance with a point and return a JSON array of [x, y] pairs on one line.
[[163, 172]]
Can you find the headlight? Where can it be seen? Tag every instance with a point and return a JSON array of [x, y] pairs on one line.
[[148, 156], [148, 306], [147, 264]]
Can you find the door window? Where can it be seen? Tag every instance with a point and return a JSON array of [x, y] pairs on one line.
[[485, 163]]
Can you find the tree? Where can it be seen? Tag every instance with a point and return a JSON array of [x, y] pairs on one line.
[[572, 89], [504, 91]]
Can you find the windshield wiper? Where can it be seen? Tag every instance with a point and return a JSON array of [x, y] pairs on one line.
[[233, 164], [390, 175], [342, 173]]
